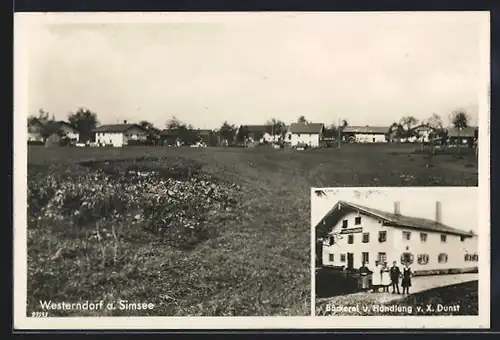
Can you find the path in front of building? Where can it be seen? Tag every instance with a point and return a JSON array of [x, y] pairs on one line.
[[418, 284]]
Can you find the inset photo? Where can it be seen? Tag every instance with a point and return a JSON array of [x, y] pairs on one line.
[[396, 251]]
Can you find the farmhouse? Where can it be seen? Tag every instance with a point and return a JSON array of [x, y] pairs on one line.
[[365, 134], [69, 131], [119, 134], [35, 131], [310, 134], [423, 132], [357, 234], [466, 135]]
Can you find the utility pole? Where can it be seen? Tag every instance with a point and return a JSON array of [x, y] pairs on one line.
[[338, 132]]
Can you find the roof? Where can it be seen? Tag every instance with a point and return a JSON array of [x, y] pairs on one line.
[[306, 127], [423, 127], [117, 128], [203, 132], [391, 219], [61, 122], [366, 129], [469, 131]]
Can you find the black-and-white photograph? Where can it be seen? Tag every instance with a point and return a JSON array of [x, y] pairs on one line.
[[396, 251], [164, 162]]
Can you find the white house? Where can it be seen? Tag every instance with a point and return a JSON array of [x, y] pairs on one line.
[[422, 132], [305, 133], [119, 134], [365, 134], [357, 234]]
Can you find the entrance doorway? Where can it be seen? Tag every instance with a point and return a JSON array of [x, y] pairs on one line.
[[350, 260]]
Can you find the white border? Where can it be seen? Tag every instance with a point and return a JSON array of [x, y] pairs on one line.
[[22, 26]]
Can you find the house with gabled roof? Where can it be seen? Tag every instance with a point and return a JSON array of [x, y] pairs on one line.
[[352, 234], [310, 134], [35, 131], [463, 136], [119, 134], [366, 134]]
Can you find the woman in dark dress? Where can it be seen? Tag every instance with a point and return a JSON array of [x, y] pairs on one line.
[[406, 281]]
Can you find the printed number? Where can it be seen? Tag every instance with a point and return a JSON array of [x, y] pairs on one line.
[[39, 314]]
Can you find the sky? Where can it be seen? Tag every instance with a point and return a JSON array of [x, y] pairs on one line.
[[366, 68], [459, 205]]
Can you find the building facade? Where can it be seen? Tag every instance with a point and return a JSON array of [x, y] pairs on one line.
[[69, 131], [357, 234], [365, 134], [119, 135], [310, 134]]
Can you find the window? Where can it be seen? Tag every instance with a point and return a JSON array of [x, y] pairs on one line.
[[471, 258], [331, 240], [344, 224], [366, 237], [350, 239], [342, 257], [382, 236], [442, 258], [423, 259], [365, 257], [407, 258], [423, 237], [443, 238], [406, 235], [357, 220], [330, 257], [382, 257]]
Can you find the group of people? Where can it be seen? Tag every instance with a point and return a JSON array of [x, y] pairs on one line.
[[385, 277]]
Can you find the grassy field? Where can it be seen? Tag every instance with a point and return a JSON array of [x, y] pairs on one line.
[[463, 295], [196, 231]]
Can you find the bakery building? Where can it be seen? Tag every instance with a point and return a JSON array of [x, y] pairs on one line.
[[351, 234]]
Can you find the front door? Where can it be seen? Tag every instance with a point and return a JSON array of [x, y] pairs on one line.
[[350, 260]]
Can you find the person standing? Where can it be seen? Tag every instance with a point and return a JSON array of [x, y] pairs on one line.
[[377, 277], [406, 281], [395, 274], [364, 272], [386, 278]]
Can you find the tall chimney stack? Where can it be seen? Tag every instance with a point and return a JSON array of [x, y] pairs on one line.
[[438, 212], [397, 208]]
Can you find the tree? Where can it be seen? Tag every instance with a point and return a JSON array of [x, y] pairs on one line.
[[408, 122], [460, 119], [173, 124], [302, 119], [435, 121], [331, 131], [276, 126], [242, 134], [85, 122], [227, 132], [397, 130], [48, 123]]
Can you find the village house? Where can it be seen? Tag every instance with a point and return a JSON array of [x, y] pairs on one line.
[[365, 134], [35, 131], [69, 131], [119, 134], [423, 132], [310, 134], [357, 234], [463, 136]]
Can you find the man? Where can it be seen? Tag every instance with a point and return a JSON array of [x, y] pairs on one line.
[[395, 274]]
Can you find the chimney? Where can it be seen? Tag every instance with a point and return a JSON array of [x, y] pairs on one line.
[[397, 209], [438, 212], [124, 122]]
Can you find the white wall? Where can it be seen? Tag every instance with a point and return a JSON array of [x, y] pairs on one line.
[[115, 138], [370, 138], [395, 246], [310, 139]]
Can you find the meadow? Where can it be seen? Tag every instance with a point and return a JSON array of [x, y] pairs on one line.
[[196, 231]]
